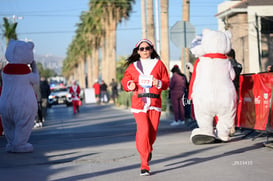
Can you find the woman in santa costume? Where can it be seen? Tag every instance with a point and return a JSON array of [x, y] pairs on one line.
[[75, 90], [146, 76]]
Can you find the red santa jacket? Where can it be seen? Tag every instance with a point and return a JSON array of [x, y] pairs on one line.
[[75, 90], [145, 98]]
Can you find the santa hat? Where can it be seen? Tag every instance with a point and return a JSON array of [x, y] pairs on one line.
[[144, 40]]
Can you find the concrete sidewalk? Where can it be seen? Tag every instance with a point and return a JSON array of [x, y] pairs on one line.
[[99, 144]]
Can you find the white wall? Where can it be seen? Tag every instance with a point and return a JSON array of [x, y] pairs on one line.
[[253, 45]]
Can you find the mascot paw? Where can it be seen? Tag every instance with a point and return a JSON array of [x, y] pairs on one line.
[[202, 139], [218, 140], [26, 148], [8, 148]]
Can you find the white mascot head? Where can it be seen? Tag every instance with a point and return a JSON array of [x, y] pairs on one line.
[[20, 52], [211, 42]]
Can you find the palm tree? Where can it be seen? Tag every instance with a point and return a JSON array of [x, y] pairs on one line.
[[165, 55], [85, 32], [82, 47], [9, 30], [80, 52], [70, 61], [112, 12], [93, 33], [97, 32], [75, 60]]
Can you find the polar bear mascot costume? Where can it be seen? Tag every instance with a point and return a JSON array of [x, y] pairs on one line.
[[211, 88], [18, 104]]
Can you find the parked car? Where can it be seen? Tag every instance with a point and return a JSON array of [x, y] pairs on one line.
[[58, 96]]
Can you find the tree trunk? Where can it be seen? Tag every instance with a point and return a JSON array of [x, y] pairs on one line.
[[112, 51], [107, 68], [82, 72], [103, 58], [150, 21], [89, 71], [165, 55], [95, 64], [143, 19], [76, 73]]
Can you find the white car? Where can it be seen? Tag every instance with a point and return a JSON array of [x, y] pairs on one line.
[[59, 96]]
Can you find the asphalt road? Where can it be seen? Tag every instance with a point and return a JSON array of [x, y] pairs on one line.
[[99, 144]]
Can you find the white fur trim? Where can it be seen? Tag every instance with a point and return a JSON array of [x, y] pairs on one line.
[[144, 40], [128, 83], [145, 110], [159, 84]]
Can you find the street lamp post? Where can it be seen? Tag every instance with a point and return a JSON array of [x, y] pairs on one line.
[[14, 18]]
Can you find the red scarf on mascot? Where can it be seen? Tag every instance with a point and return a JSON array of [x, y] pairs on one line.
[[16, 69]]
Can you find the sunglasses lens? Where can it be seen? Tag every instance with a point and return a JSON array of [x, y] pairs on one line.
[[145, 48]]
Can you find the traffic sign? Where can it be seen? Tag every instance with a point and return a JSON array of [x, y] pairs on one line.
[[182, 34]]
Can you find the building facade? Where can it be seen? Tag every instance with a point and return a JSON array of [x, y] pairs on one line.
[[251, 25]]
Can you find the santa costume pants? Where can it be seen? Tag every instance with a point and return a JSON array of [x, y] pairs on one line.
[[147, 125], [75, 106]]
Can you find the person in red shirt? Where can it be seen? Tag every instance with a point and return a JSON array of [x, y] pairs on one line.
[[75, 90], [96, 86], [146, 76]]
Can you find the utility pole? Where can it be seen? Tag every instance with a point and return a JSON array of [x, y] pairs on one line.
[[258, 41], [185, 51], [157, 27], [186, 10]]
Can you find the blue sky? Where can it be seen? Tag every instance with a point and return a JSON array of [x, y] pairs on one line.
[[51, 24]]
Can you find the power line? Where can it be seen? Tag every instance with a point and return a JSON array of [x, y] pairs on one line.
[[45, 11], [119, 29], [71, 15], [47, 15]]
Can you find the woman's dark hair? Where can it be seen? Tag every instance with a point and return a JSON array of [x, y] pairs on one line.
[[231, 54], [177, 70], [135, 56]]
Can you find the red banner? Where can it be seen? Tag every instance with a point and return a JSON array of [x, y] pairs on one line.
[[254, 101]]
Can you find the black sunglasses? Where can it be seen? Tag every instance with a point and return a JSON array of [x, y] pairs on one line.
[[144, 48]]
